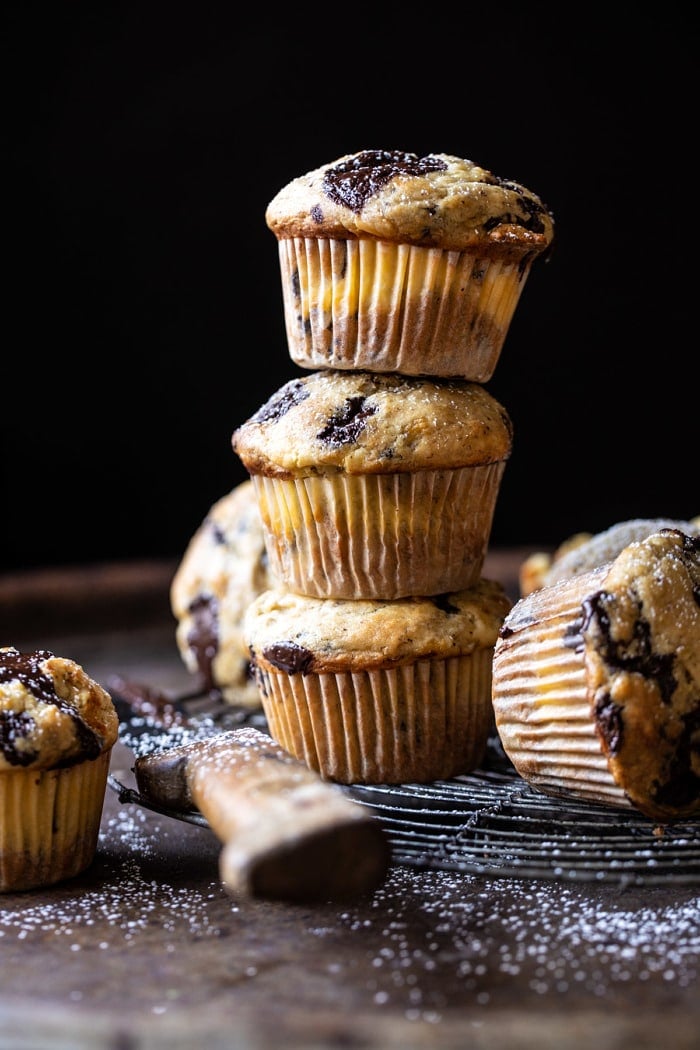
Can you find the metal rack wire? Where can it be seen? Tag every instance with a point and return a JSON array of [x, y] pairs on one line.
[[490, 822]]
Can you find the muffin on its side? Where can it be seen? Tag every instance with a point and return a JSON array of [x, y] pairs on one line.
[[391, 262], [57, 730], [377, 692], [596, 681], [376, 486], [222, 570], [585, 550]]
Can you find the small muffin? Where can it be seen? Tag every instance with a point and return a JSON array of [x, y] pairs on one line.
[[57, 730], [596, 681], [223, 569], [392, 262], [376, 692], [376, 486], [585, 550]]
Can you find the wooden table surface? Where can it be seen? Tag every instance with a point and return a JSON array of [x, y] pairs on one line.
[[147, 950]]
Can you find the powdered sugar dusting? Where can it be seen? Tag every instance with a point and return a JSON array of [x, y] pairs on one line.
[[484, 936]]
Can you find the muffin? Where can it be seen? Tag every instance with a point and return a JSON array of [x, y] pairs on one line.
[[57, 730], [584, 550], [223, 568], [596, 681], [392, 262], [376, 486], [375, 692]]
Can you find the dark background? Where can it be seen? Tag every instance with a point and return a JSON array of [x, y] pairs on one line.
[[143, 307]]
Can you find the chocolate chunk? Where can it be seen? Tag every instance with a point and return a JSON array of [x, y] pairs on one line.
[[635, 655], [279, 404], [15, 725], [442, 602], [353, 181], [348, 422], [608, 716], [573, 638], [682, 785], [203, 636], [24, 667], [289, 657]]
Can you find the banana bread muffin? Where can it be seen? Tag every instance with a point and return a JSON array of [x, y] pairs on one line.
[[596, 681], [57, 730], [391, 262], [585, 550], [223, 569], [376, 486], [378, 691]]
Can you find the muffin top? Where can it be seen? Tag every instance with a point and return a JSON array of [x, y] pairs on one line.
[[366, 423], [436, 201], [590, 551], [51, 713], [295, 634], [223, 568]]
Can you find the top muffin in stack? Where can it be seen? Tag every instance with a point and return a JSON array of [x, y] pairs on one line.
[[377, 476], [397, 263]]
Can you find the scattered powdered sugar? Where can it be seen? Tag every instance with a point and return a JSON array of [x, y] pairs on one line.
[[125, 902], [550, 937]]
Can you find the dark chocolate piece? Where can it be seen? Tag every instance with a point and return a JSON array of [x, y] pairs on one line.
[[353, 181], [345, 426], [25, 668]]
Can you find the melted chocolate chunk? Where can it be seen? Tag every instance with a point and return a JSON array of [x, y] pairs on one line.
[[13, 726], [289, 657], [279, 404], [24, 668], [442, 601], [682, 785], [635, 655], [608, 716], [573, 638], [144, 701], [203, 636], [348, 422], [352, 182]]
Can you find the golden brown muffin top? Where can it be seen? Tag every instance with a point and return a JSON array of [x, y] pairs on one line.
[[51, 713], [366, 423], [434, 201], [585, 551], [295, 634]]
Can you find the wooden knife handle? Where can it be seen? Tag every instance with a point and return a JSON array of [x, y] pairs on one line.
[[287, 834]]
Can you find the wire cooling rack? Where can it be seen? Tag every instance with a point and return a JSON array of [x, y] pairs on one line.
[[489, 822]]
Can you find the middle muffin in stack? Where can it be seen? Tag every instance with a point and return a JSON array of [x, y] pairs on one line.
[[377, 475]]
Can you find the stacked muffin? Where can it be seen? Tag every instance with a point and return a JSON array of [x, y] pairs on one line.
[[377, 474]]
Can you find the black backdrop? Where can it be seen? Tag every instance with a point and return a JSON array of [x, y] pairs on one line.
[[143, 308]]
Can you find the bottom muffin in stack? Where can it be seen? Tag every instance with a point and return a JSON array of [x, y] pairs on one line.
[[378, 692]]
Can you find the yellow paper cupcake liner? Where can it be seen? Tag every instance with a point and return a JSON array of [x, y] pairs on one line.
[[50, 822], [380, 535], [415, 723], [367, 304], [542, 706]]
